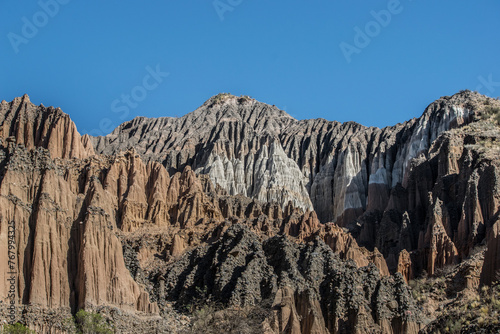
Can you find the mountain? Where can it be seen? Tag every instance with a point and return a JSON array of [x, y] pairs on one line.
[[321, 224], [259, 151]]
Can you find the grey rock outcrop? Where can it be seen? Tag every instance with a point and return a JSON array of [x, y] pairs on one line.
[[376, 182], [312, 290], [251, 148]]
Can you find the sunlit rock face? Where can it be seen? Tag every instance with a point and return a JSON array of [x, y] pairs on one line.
[[266, 175], [37, 126], [375, 182], [295, 210], [251, 148]]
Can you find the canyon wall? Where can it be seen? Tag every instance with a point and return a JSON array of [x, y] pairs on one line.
[[240, 202]]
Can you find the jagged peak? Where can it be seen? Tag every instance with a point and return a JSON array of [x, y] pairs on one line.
[[465, 105], [21, 99]]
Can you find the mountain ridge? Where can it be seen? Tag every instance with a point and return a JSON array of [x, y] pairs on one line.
[[102, 231], [214, 139]]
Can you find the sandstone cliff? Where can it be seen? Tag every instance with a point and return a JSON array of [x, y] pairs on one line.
[[240, 203], [49, 128]]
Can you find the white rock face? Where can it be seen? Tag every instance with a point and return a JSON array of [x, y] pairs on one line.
[[428, 128], [349, 179], [267, 175]]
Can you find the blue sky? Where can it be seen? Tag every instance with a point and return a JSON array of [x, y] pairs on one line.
[[88, 56]]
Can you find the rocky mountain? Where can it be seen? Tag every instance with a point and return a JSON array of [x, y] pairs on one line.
[[366, 179], [259, 151], [319, 222]]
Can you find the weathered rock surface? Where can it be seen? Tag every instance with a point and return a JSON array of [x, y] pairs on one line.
[[37, 126], [491, 267], [66, 254], [312, 290], [87, 229], [423, 185], [257, 150], [243, 203]]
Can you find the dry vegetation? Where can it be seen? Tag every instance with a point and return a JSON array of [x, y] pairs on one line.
[[479, 314], [491, 110], [221, 97], [212, 319]]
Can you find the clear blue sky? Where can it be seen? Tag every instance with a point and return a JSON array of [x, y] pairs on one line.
[[287, 53]]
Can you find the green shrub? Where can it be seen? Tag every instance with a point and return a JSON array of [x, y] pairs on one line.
[[211, 319], [88, 323], [219, 98], [497, 118], [491, 110], [16, 328]]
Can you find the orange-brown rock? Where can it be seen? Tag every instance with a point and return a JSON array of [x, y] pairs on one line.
[[405, 265], [491, 267], [441, 250], [49, 128], [67, 252], [296, 313], [346, 246], [286, 318]]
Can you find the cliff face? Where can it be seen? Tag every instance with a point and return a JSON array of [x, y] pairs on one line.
[[67, 254], [449, 205], [257, 150], [241, 203], [491, 267], [415, 186], [87, 228]]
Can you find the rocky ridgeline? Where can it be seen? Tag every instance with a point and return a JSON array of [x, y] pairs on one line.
[[76, 218], [257, 150], [411, 187], [235, 202]]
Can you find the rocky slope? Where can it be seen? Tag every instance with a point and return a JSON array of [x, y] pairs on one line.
[[241, 204], [257, 150], [82, 224], [310, 288], [390, 187]]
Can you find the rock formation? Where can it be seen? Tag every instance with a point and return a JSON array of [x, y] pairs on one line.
[[49, 128], [315, 292], [491, 266], [240, 203], [251, 148], [374, 181]]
